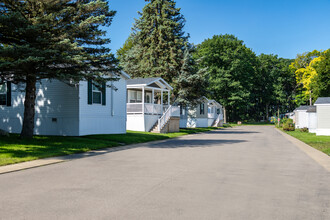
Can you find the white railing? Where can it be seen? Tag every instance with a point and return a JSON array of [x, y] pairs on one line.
[[172, 111], [151, 109], [212, 115], [134, 108], [219, 118]]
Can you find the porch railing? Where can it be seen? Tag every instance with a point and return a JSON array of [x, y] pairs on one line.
[[151, 109], [172, 111]]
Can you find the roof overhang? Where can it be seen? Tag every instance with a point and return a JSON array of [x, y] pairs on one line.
[[163, 85]]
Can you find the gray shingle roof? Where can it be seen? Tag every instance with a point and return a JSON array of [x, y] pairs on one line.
[[302, 108], [141, 81], [323, 100], [311, 109]]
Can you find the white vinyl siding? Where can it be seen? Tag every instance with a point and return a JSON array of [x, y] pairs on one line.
[[323, 116], [56, 109]]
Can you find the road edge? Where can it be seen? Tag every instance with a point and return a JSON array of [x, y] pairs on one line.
[[60, 159], [318, 156]]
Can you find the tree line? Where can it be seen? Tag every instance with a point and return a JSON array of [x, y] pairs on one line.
[[249, 87], [66, 40]]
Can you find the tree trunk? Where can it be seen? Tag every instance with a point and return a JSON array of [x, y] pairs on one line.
[[267, 112], [29, 108], [278, 115], [224, 115]]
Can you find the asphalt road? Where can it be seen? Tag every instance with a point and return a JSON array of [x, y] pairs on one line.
[[249, 172]]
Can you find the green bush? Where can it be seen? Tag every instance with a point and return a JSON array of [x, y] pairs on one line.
[[288, 125], [304, 130]]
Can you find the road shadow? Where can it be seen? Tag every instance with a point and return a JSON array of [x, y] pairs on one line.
[[180, 143], [220, 131]]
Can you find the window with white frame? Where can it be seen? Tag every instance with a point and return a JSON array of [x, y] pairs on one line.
[[97, 93], [3, 94], [134, 96]]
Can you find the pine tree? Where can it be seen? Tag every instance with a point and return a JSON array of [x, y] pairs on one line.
[[158, 42], [192, 82], [54, 39]]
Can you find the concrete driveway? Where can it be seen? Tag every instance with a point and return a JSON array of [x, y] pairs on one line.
[[249, 172]]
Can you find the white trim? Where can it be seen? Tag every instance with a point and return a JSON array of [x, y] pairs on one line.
[[125, 75], [323, 131], [160, 80]]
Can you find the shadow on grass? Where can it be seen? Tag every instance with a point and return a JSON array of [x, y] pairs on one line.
[[14, 150]]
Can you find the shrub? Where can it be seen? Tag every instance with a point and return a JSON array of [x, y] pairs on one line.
[[304, 130], [288, 125]]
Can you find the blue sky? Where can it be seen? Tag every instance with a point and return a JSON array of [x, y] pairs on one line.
[[282, 27]]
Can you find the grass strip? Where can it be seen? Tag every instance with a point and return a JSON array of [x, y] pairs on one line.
[[16, 150]]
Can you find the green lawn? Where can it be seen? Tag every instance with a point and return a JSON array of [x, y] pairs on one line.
[[15, 150], [321, 143]]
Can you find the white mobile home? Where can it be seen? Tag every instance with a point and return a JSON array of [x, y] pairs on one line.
[[149, 108], [207, 113], [195, 116], [301, 116], [323, 116], [69, 110]]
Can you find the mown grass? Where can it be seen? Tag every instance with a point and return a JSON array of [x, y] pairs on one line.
[[321, 143], [15, 150]]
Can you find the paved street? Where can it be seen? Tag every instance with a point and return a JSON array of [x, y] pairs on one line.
[[249, 172]]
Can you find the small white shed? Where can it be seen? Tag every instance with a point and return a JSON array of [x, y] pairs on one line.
[[301, 117], [323, 116], [312, 119]]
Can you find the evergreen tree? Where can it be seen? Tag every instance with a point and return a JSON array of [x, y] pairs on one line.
[[191, 83], [54, 39], [158, 42]]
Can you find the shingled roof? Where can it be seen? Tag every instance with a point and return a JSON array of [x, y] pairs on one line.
[[311, 109], [322, 101], [302, 108], [148, 82]]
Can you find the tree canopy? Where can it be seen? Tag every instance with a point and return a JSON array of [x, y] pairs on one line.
[[158, 42], [231, 72], [59, 39]]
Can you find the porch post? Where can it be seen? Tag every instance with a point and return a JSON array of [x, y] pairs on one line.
[[161, 101], [143, 100], [169, 97], [153, 101]]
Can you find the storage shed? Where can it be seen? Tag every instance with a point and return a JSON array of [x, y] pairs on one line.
[[312, 119], [301, 117]]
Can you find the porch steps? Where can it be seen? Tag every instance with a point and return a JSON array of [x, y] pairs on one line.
[[172, 125]]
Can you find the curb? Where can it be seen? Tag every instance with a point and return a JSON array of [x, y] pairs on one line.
[[320, 157], [60, 159]]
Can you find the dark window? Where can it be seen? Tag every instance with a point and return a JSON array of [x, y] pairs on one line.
[[218, 111], [97, 94], [202, 110], [3, 94]]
